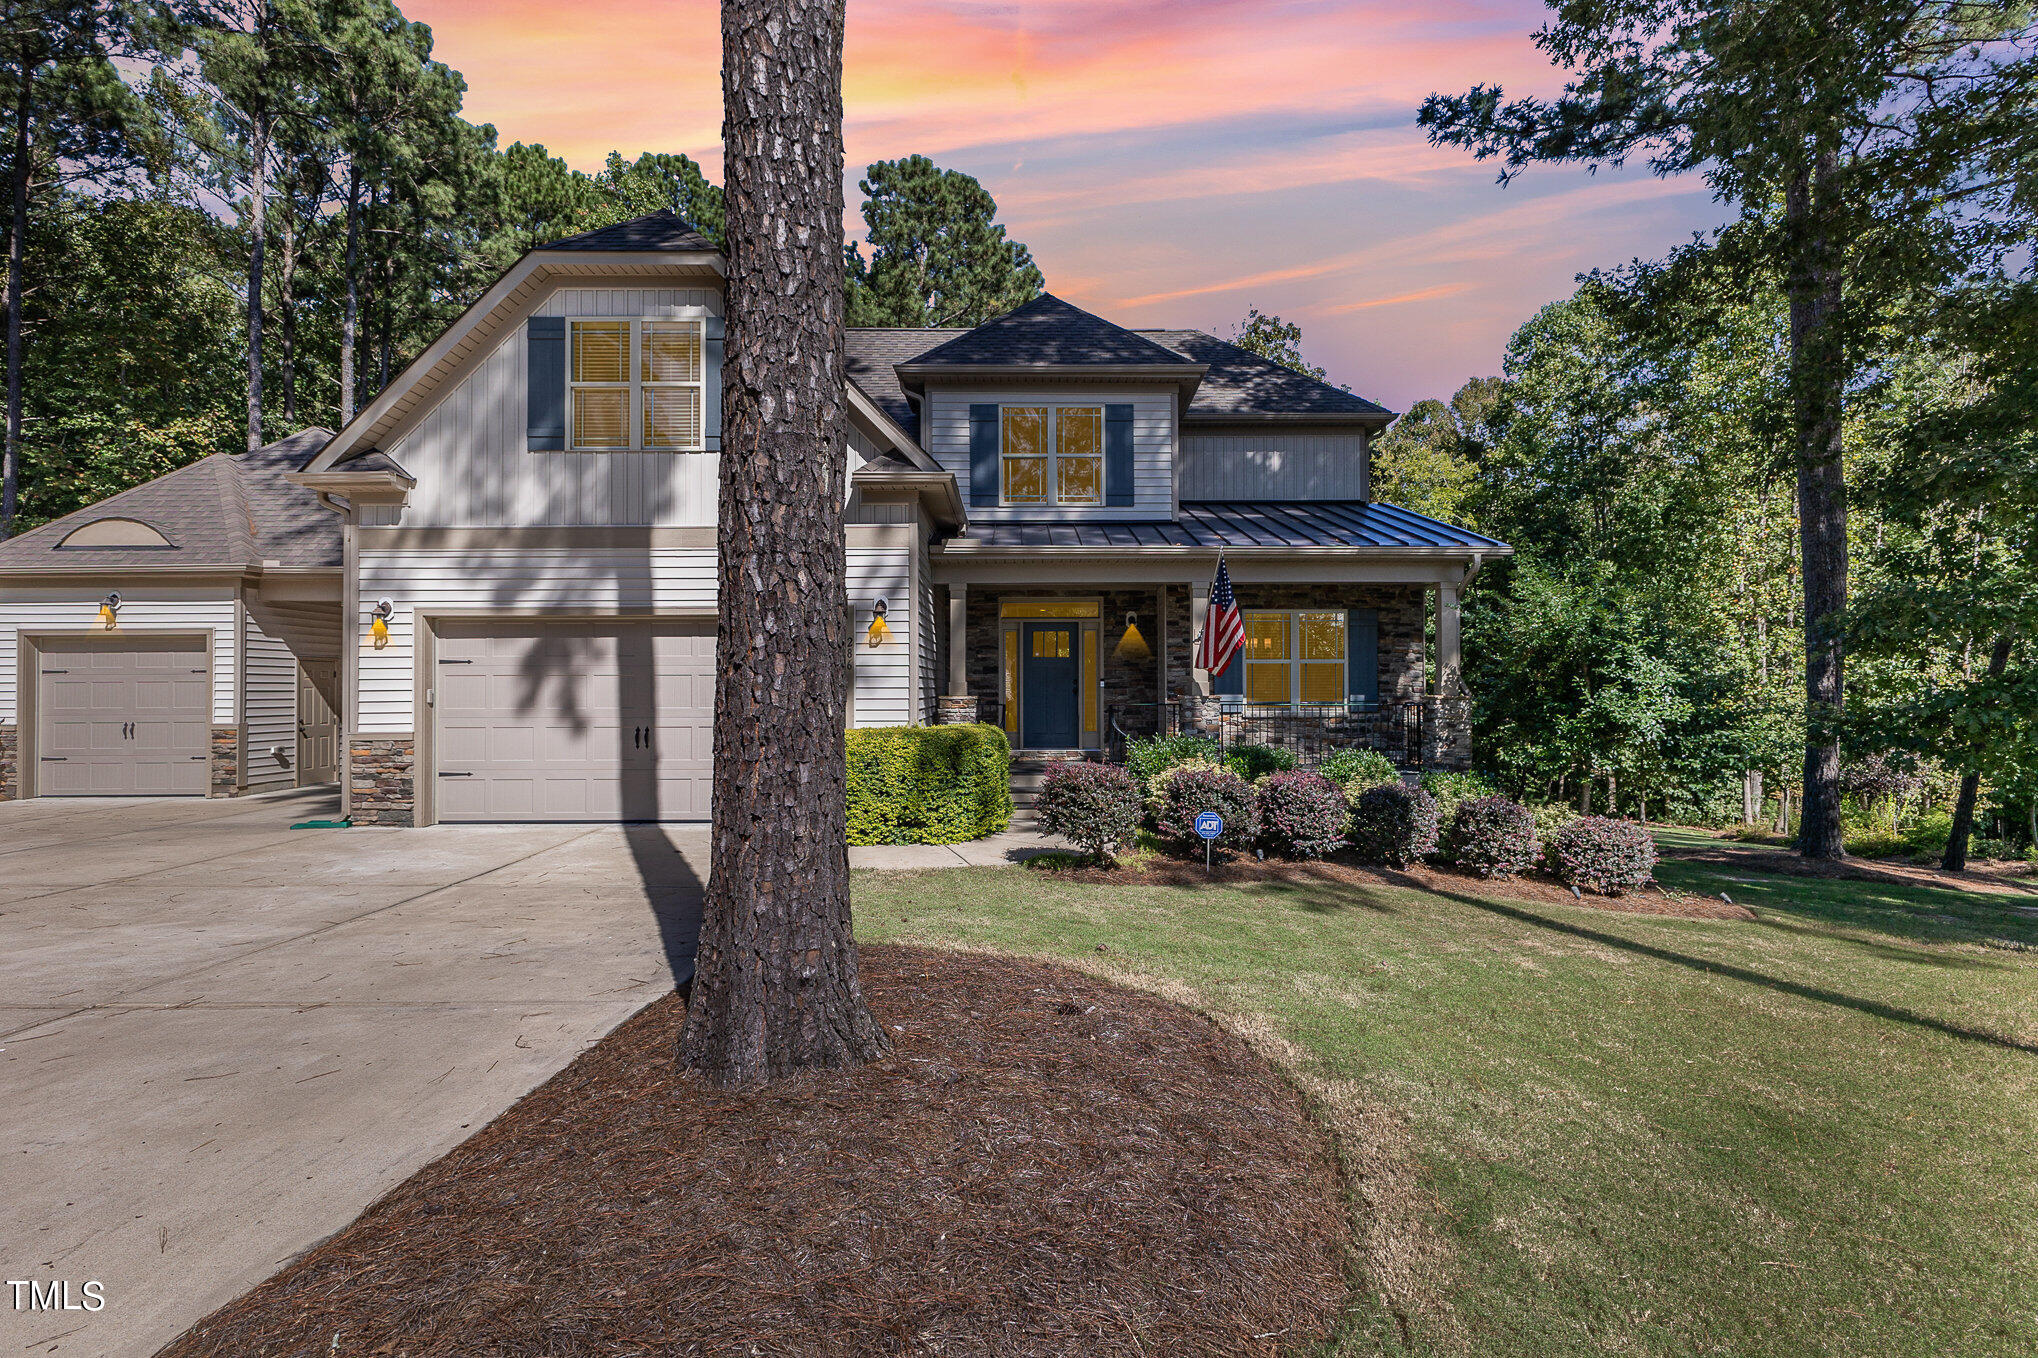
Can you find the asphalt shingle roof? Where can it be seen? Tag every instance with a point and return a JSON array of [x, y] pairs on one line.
[[874, 353], [1048, 332], [1212, 524], [660, 230], [229, 510]]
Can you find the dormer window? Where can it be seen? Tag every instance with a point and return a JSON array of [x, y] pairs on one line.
[[1052, 455], [635, 384]]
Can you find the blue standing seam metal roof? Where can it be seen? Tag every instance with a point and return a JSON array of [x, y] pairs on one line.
[[1212, 524]]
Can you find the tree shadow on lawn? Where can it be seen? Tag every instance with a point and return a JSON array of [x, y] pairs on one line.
[[1817, 994], [1903, 910]]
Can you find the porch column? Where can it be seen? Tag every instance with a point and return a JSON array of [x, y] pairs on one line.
[[1199, 613], [1449, 661], [958, 640]]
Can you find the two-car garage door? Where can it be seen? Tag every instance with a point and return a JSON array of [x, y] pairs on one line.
[[574, 721], [123, 716]]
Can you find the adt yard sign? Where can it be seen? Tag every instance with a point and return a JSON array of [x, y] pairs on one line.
[[1209, 825]]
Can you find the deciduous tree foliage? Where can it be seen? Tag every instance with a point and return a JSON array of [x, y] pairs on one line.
[[1272, 338], [1867, 121]]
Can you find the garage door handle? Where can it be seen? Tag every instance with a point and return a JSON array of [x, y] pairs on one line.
[[56, 759], [56, 671], [456, 662], [444, 774]]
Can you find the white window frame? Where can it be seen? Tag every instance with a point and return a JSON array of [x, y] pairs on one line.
[[636, 385], [1053, 451], [1295, 660]]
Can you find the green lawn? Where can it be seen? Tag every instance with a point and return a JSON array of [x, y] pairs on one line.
[[1577, 1131]]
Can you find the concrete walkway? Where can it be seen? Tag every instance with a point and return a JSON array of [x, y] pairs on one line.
[[221, 1039], [1016, 845]]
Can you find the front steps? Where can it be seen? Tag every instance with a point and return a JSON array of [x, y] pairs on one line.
[[1029, 770]]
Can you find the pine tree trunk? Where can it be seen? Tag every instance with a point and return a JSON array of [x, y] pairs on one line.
[[258, 192], [1955, 859], [350, 315], [776, 986], [286, 286], [17, 252], [1818, 379]]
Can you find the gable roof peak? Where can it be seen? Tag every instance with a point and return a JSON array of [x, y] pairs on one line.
[[660, 230], [1049, 332]]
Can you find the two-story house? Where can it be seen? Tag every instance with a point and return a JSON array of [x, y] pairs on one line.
[[498, 582]]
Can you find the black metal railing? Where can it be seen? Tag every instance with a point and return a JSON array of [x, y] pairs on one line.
[[1310, 730]]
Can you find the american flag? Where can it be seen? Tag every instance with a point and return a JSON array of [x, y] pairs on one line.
[[1223, 629]]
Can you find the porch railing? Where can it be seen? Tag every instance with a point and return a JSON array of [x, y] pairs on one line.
[[1310, 730]]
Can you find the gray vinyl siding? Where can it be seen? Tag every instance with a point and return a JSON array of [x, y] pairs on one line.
[[1273, 464], [310, 630], [565, 582], [930, 647], [945, 435], [470, 452], [145, 608], [270, 723]]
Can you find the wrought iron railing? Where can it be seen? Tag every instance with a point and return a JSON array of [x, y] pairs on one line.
[[1310, 730]]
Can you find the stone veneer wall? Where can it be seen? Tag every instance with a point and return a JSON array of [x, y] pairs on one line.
[[223, 763], [10, 758], [381, 780]]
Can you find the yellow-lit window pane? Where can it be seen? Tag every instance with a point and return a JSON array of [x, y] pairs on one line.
[[1026, 480], [1025, 431], [1062, 644], [672, 417], [1321, 635], [672, 351], [1323, 683], [1266, 637], [601, 417], [601, 351], [1079, 431], [1267, 683], [1010, 688], [1079, 480]]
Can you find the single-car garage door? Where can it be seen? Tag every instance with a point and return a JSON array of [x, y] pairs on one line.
[[123, 716], [575, 721]]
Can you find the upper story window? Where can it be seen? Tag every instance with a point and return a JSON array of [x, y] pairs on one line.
[[1294, 656], [1051, 455], [635, 384]]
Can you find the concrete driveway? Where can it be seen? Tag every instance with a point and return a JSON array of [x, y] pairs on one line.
[[221, 1039]]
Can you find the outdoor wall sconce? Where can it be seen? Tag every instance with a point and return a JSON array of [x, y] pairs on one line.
[[109, 610], [379, 627], [1132, 647], [878, 631]]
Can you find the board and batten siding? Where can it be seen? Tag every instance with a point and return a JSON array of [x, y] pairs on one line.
[[47, 609], [269, 729], [1273, 464], [470, 452], [536, 582], [945, 435]]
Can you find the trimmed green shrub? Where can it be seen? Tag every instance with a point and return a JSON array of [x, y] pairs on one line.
[[1096, 806], [928, 784], [1152, 755], [1357, 770], [1254, 762], [1601, 855], [1930, 833], [1492, 836], [1394, 823], [1451, 788], [1302, 815], [1183, 791]]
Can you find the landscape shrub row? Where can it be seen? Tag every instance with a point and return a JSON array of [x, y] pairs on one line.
[[928, 784], [1355, 800]]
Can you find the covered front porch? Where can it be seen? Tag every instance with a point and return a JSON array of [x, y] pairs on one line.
[[1073, 660]]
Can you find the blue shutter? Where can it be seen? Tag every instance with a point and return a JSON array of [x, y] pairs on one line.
[[1362, 655], [983, 454], [1118, 455], [1231, 683], [711, 386], [545, 384]]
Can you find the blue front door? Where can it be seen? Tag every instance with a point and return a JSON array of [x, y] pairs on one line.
[[1050, 659]]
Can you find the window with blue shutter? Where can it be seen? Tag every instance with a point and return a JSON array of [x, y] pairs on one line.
[[1362, 655], [1118, 455], [545, 384]]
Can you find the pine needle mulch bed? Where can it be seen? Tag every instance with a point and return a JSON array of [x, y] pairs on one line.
[[1336, 872], [1047, 1164]]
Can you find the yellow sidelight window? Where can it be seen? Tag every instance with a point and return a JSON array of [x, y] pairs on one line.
[[1079, 455], [1010, 688], [1023, 444]]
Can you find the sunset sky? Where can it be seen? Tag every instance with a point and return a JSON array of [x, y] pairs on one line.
[[1169, 162]]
